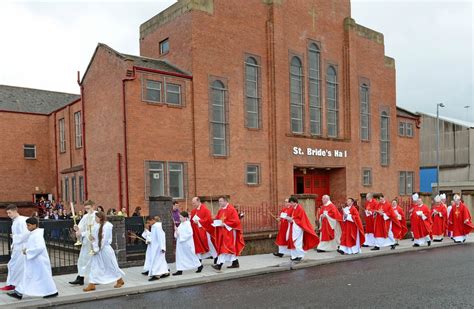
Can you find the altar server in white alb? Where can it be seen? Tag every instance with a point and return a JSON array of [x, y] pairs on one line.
[[37, 279], [104, 268], [158, 265], [83, 231], [146, 235], [19, 237], [186, 257]]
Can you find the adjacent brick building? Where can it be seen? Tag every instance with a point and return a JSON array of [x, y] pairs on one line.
[[256, 101]]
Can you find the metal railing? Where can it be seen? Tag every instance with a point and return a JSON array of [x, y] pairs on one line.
[[5, 240]]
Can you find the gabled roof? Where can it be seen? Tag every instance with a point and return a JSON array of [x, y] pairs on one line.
[[28, 100], [139, 61]]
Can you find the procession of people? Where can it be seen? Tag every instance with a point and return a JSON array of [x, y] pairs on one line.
[[199, 235]]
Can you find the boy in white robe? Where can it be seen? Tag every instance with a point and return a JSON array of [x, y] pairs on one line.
[[19, 236], [186, 257], [104, 268], [37, 279], [158, 265], [147, 237]]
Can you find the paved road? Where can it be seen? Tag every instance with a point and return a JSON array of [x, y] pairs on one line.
[[438, 278]]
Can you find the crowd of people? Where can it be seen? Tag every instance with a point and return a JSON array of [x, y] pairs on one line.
[[200, 235]]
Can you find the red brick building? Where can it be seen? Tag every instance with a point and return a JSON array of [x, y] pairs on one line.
[[256, 101]]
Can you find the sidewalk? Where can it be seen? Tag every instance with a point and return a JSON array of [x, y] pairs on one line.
[[136, 283]]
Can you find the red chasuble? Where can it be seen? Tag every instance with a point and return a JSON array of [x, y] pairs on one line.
[[369, 220], [420, 228], [402, 229], [327, 233], [351, 229], [439, 222], [281, 236], [201, 244], [382, 226], [310, 239], [457, 220], [226, 243]]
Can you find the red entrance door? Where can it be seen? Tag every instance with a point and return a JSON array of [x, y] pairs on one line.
[[312, 182]]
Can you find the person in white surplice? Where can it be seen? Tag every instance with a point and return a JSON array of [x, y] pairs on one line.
[[37, 279], [146, 235], [83, 230], [158, 265], [104, 268], [186, 257], [19, 237]]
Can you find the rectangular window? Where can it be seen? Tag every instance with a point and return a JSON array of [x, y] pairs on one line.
[[173, 94], [176, 180], [406, 183], [364, 113], [152, 90], [62, 136], [315, 113], [409, 182], [384, 139], [219, 119], [81, 189], [62, 190], [401, 128], [73, 189], [78, 127], [29, 151], [156, 179], [164, 47], [66, 189], [253, 174], [409, 129], [252, 95], [367, 177]]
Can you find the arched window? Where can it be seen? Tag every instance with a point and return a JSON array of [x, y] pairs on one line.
[[296, 95], [252, 100], [364, 113], [314, 90], [219, 119], [332, 104], [384, 139]]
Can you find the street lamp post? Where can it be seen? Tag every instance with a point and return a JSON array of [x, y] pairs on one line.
[[437, 145]]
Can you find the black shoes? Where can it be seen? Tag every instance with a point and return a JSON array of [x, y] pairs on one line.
[[392, 247], [217, 266], [365, 246], [165, 275], [320, 251], [145, 273], [340, 251], [154, 278], [235, 264], [297, 259], [15, 294], [178, 273], [200, 268], [416, 245], [278, 254], [438, 240], [79, 281], [375, 249], [429, 243], [51, 296]]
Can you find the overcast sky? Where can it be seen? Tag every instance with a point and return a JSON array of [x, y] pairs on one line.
[[44, 43]]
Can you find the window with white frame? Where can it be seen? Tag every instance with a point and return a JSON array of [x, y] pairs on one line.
[[406, 182], [219, 119], [332, 102], [176, 180], [73, 189], [253, 174], [78, 129], [364, 113], [252, 98], [164, 47], [62, 136], [173, 94], [152, 90], [366, 177], [81, 189], [296, 96], [384, 139], [66, 189], [29, 151], [315, 111]]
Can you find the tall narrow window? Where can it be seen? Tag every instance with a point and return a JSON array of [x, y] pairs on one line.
[[296, 95], [384, 139], [332, 104], [176, 180], [218, 119], [66, 189], [366, 177], [314, 90], [73, 189], [156, 179], [364, 113], [164, 47], [252, 98], [62, 136], [78, 127], [253, 174], [81, 189]]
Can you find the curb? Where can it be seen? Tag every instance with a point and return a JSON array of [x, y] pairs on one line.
[[279, 267]]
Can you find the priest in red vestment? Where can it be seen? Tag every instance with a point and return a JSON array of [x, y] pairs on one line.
[[330, 226], [301, 236], [370, 206], [281, 239], [386, 225], [203, 231], [439, 216], [352, 230], [401, 230], [228, 235], [420, 220], [460, 222]]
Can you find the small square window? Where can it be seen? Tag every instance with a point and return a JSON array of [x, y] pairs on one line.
[[153, 91], [253, 174], [29, 151], [164, 47], [367, 177], [173, 94]]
